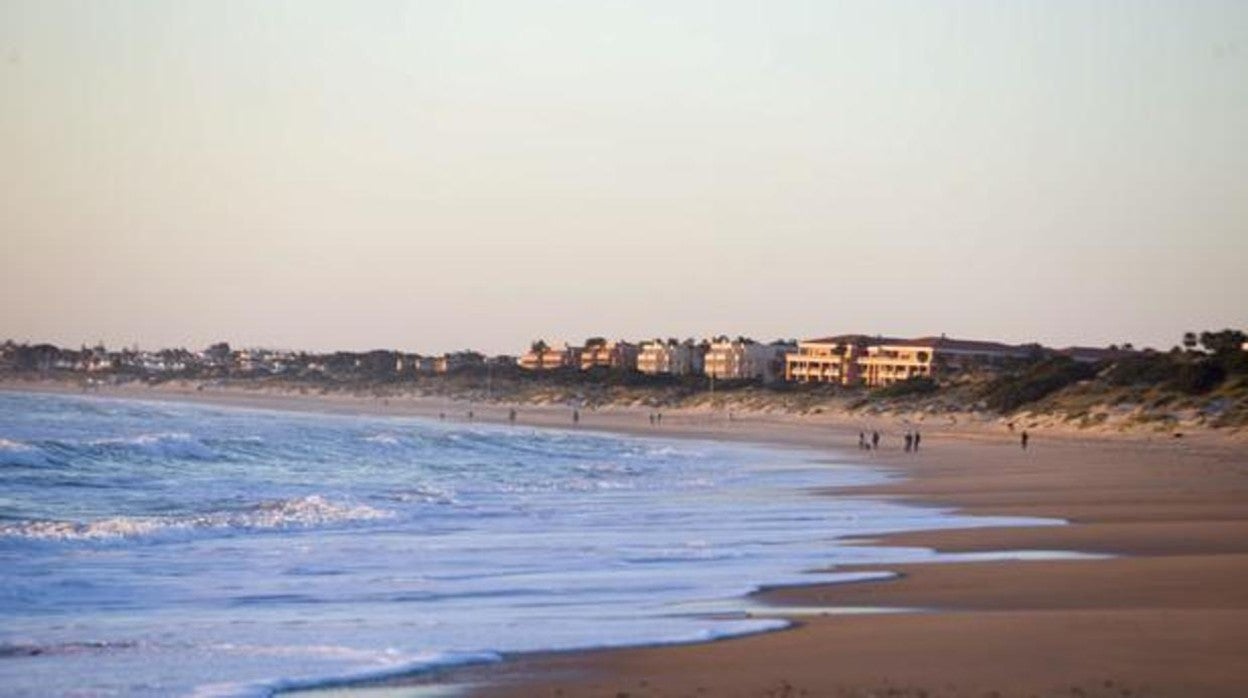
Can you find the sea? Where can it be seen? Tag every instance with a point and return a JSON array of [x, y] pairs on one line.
[[152, 548]]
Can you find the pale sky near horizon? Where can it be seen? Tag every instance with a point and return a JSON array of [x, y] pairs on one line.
[[431, 176]]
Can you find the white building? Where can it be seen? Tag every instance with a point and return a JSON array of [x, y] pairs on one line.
[[745, 359], [671, 358]]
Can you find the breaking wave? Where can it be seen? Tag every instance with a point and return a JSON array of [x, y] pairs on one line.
[[20, 454], [302, 512]]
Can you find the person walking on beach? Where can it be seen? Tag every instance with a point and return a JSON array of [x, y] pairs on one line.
[[511, 416], [875, 441], [916, 439], [909, 441], [1024, 439], [862, 441], [576, 416]]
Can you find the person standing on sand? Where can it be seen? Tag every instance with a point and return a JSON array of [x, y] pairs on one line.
[[916, 439], [511, 416], [909, 441], [576, 416], [1024, 439], [875, 441], [862, 441]]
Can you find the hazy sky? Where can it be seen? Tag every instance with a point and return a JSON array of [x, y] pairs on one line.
[[431, 176]]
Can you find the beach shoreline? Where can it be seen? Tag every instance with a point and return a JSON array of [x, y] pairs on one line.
[[1166, 616]]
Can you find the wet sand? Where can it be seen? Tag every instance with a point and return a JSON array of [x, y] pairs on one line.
[[1167, 616]]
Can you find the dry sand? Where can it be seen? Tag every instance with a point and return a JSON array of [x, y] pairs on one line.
[[1167, 616]]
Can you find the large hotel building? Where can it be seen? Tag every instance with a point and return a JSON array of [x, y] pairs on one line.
[[879, 361]]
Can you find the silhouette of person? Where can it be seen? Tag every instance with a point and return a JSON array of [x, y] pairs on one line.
[[1024, 439], [916, 439], [576, 416], [909, 441], [511, 416], [875, 440], [862, 441]]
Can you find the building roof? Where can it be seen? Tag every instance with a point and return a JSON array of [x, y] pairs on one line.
[[1093, 353], [968, 345], [853, 339]]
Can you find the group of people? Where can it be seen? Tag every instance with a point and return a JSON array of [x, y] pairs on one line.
[[913, 438], [656, 418], [873, 442]]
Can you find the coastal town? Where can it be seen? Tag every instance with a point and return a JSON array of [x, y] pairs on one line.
[[1200, 382], [847, 360]]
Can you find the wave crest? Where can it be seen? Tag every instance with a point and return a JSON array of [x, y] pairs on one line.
[[302, 512], [21, 454]]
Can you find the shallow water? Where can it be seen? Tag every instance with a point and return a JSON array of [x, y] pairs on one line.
[[156, 549]]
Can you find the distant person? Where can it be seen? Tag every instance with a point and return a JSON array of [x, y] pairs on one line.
[[658, 418], [1024, 439], [511, 416], [917, 437], [862, 441], [470, 415], [576, 416], [875, 441], [909, 441], [651, 419]]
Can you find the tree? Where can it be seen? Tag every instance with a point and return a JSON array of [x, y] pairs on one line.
[[219, 352], [1224, 342]]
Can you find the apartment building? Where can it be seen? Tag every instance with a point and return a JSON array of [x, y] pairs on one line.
[[449, 363], [744, 359], [541, 357], [886, 364], [600, 353], [879, 361], [670, 357], [828, 360]]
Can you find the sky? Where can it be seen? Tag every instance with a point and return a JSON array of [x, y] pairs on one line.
[[434, 176]]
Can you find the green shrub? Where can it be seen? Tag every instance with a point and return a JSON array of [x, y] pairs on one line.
[[1008, 393], [1198, 377], [1141, 369], [919, 385]]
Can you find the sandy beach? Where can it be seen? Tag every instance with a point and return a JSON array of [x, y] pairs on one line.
[[1166, 615]]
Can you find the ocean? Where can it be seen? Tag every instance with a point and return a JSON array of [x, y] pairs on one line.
[[158, 548]]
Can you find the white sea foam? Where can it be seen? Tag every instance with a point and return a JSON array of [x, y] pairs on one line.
[[301, 512], [160, 445], [18, 453], [387, 665]]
